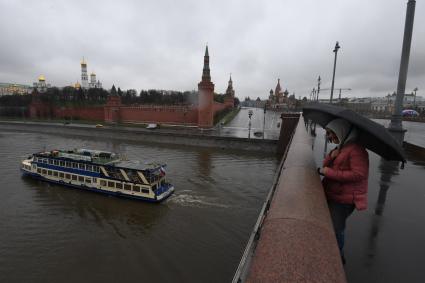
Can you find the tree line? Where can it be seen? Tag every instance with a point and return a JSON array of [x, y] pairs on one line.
[[70, 96]]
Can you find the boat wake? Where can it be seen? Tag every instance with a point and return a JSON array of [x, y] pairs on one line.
[[196, 201]]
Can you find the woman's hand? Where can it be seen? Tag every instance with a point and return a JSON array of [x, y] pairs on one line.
[[324, 169], [334, 153]]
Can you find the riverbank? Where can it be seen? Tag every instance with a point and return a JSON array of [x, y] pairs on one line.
[[171, 136]]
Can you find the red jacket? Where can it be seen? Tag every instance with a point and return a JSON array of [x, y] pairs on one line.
[[346, 178]]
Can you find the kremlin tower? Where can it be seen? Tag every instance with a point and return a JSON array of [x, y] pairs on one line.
[[206, 96], [229, 98]]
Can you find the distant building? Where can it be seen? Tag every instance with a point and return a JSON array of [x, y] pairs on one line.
[[10, 89], [41, 86], [278, 99], [85, 84], [93, 83], [229, 98], [84, 77]]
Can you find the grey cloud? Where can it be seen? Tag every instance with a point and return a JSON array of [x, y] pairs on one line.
[[160, 44]]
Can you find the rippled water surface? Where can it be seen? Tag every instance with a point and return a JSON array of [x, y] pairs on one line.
[[50, 233]]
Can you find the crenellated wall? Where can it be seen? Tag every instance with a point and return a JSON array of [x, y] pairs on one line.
[[115, 112]]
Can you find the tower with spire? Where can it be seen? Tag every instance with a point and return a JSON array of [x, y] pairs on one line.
[[206, 96], [229, 98], [84, 77], [278, 93]]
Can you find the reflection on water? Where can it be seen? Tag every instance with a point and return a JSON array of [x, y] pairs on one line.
[[50, 233], [388, 169]]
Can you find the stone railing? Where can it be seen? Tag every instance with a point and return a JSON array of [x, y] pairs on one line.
[[295, 238]]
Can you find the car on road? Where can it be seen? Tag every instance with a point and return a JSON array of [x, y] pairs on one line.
[[99, 126], [152, 126]]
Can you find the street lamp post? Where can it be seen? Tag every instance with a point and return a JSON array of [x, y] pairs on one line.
[[414, 97], [264, 120], [337, 47], [249, 124], [395, 126], [318, 89]]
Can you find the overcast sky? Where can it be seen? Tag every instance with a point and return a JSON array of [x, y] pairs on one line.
[[160, 44]]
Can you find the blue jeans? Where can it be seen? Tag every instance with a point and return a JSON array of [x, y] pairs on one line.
[[339, 214]]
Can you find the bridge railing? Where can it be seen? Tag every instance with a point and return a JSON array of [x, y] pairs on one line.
[[294, 241]]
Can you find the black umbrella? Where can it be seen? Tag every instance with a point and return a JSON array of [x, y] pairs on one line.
[[372, 135]]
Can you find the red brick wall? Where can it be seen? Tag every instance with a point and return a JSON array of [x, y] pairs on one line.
[[127, 114], [159, 114], [219, 106], [95, 113]]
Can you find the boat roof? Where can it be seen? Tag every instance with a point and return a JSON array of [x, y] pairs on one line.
[[102, 158], [137, 165]]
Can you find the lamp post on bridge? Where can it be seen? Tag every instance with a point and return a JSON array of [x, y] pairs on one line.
[[249, 124], [337, 47], [395, 126], [264, 120], [414, 97], [318, 88]]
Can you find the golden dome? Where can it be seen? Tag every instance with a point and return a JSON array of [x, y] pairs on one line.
[[93, 74], [83, 62], [41, 78], [77, 85]]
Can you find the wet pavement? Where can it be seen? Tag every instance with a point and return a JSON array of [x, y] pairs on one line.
[[415, 133]]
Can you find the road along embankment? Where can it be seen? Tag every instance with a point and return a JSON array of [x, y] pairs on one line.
[[158, 136]]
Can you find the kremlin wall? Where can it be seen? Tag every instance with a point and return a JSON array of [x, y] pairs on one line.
[[201, 115]]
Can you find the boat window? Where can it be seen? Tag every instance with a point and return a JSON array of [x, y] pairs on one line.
[[68, 176], [111, 184], [62, 163], [80, 179], [61, 175], [55, 173], [74, 177], [94, 180], [44, 171], [35, 159], [97, 169], [38, 169], [136, 188], [88, 180], [89, 168], [51, 161], [127, 187], [49, 172], [46, 160], [145, 191], [118, 185], [68, 164], [74, 165], [103, 183], [81, 166]]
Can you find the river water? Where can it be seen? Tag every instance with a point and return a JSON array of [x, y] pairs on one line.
[[49, 233]]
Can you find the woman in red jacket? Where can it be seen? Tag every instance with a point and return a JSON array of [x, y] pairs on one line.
[[346, 171]]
